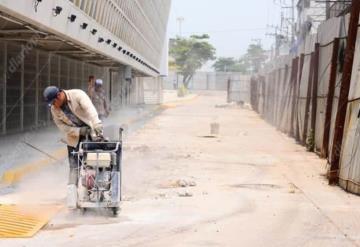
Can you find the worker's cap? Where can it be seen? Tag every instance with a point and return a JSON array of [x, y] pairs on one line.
[[50, 94], [98, 82]]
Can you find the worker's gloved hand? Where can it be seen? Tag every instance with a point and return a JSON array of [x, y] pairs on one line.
[[84, 131], [98, 129]]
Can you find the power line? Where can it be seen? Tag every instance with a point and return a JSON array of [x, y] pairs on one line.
[[228, 30]]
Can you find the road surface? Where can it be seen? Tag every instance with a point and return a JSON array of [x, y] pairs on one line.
[[249, 186]]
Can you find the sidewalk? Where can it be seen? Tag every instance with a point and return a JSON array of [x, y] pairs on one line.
[[28, 152], [22, 154]]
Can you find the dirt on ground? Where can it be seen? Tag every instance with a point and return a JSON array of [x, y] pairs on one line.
[[248, 185]]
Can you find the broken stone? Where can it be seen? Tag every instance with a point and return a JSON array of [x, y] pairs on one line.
[[185, 183], [182, 183], [192, 183], [162, 195], [185, 194]]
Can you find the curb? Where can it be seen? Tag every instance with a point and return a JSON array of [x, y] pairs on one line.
[[13, 176]]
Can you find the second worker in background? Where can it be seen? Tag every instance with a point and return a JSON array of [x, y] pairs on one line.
[[98, 97]]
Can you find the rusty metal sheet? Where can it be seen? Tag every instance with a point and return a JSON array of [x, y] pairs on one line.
[[349, 174], [343, 32], [350, 155], [327, 32], [304, 83]]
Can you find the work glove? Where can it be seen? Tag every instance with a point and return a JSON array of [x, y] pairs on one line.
[[84, 131], [98, 129]]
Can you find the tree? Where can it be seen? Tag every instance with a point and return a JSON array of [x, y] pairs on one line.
[[190, 54], [230, 64], [255, 56], [224, 64], [251, 62]]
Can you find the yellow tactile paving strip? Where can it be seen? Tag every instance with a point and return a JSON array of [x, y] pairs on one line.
[[25, 220]]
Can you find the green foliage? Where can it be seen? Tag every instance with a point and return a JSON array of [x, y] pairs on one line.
[[191, 54], [252, 61], [198, 37], [255, 57], [230, 64]]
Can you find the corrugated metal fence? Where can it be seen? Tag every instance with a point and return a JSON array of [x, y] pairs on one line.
[[299, 94], [239, 88]]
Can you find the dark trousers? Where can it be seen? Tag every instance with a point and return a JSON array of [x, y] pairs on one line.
[[73, 163]]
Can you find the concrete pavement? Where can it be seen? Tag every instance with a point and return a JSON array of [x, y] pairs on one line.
[[250, 186]]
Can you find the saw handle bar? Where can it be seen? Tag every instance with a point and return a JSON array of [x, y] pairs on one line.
[[117, 146], [86, 150]]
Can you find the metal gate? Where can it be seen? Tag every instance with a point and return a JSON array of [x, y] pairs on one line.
[[238, 89]]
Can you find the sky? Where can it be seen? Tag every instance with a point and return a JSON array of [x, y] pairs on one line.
[[231, 24]]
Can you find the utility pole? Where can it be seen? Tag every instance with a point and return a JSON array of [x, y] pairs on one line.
[[277, 39], [327, 10], [292, 21], [180, 20]]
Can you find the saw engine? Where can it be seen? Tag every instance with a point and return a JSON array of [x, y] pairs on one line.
[[102, 180], [99, 175]]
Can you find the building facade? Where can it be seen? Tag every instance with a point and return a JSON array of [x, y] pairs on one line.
[[62, 42]]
